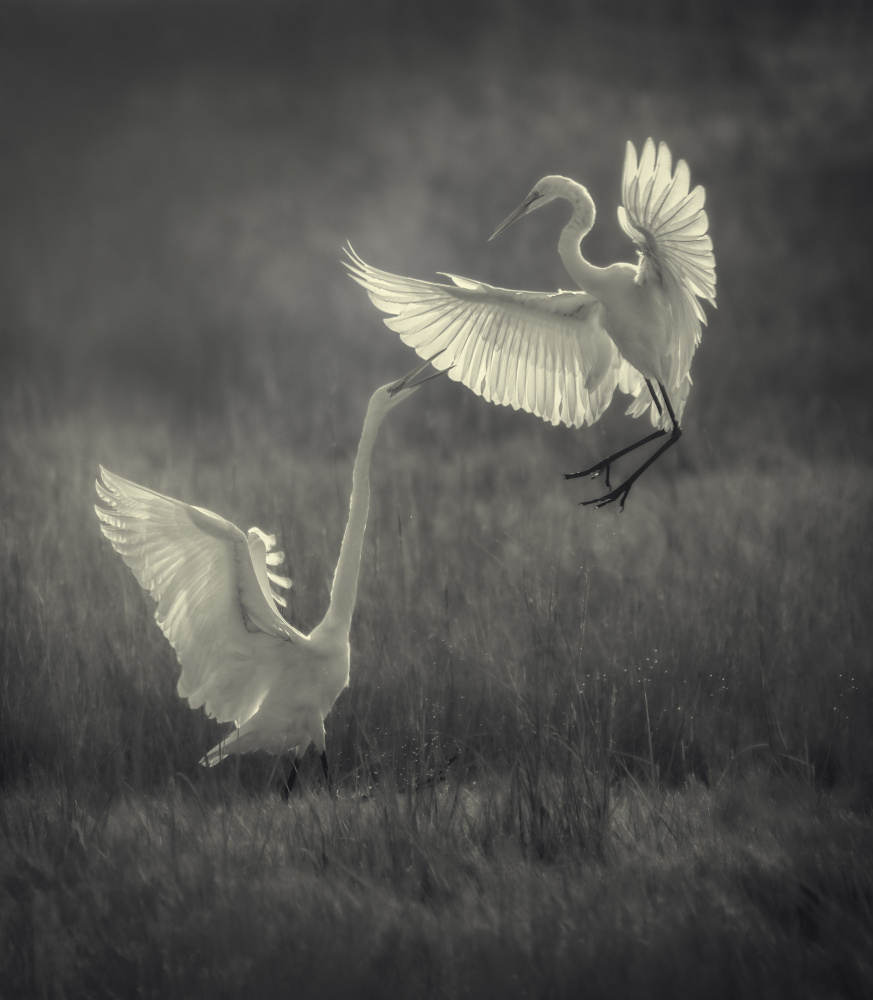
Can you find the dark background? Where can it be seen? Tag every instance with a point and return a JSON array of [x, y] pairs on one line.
[[177, 181]]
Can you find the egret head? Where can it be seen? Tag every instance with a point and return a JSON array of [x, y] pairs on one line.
[[390, 395], [549, 189]]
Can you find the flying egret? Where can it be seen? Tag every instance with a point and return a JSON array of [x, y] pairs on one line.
[[240, 659], [561, 355]]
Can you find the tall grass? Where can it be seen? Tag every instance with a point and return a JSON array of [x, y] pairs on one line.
[[722, 610], [737, 891]]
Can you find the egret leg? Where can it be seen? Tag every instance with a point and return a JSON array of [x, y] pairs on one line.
[[326, 770], [291, 778], [654, 396], [605, 465], [621, 492]]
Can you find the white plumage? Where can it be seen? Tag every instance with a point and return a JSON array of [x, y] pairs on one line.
[[213, 585], [562, 355]]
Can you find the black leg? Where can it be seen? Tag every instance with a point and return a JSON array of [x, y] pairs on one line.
[[620, 493], [654, 396], [326, 770], [292, 777], [604, 466]]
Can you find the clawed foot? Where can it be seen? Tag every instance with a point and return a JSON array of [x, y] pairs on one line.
[[620, 493], [593, 472]]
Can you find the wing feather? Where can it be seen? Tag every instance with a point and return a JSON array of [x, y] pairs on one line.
[[213, 604], [529, 378], [670, 227], [470, 361], [547, 353], [475, 375], [261, 550]]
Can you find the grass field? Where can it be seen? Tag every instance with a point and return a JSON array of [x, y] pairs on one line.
[[582, 752]]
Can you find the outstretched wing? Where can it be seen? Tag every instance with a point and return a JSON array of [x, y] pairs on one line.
[[210, 603], [545, 353], [669, 226]]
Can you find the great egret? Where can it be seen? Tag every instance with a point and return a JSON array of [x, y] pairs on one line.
[[240, 659], [561, 355]]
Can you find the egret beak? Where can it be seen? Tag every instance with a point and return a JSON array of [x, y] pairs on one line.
[[519, 213], [407, 383]]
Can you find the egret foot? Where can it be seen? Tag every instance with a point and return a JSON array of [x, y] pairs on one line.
[[594, 472], [619, 492]]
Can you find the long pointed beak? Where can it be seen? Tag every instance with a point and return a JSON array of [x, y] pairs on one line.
[[407, 383], [521, 211]]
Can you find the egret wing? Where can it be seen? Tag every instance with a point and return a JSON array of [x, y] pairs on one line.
[[261, 549], [547, 353], [210, 604], [669, 226]]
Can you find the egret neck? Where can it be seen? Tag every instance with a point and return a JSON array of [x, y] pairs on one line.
[[589, 277], [345, 579]]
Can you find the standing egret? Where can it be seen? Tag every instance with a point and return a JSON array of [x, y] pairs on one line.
[[240, 659], [561, 355]]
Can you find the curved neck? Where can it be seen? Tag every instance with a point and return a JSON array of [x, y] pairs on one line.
[[588, 277], [345, 578]]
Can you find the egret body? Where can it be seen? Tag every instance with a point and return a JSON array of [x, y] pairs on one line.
[[562, 355], [241, 661]]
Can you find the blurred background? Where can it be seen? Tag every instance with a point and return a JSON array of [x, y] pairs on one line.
[[178, 180]]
